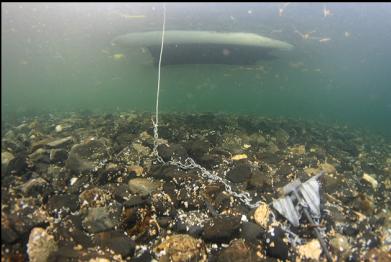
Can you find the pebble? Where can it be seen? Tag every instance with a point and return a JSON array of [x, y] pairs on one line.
[[60, 142], [178, 248], [101, 219], [239, 157], [370, 180], [340, 245], [58, 155], [238, 250], [116, 241], [311, 250], [328, 168], [221, 229], [239, 173], [297, 150], [276, 243], [40, 245], [262, 215], [143, 186], [174, 151], [86, 156], [251, 231], [34, 186], [6, 158], [8, 234]]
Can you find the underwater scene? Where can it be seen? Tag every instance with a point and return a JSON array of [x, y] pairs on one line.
[[196, 132]]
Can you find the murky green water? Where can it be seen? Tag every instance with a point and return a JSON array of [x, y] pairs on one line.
[[86, 176], [59, 57]]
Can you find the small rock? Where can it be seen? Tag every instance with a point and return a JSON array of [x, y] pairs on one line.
[[40, 245], [29, 215], [138, 170], [143, 186], [312, 171], [101, 218], [58, 155], [175, 151], [63, 202], [257, 138], [340, 245], [34, 186], [221, 229], [297, 150], [141, 150], [60, 142], [370, 180], [376, 254], [276, 243], [210, 160], [281, 136], [364, 203], [116, 241], [58, 128], [177, 248], [18, 164], [6, 158], [271, 158], [95, 197], [238, 250], [8, 234], [129, 217], [310, 250], [164, 221], [197, 148], [87, 156], [190, 222], [262, 215], [251, 231], [239, 157], [332, 183], [135, 201], [328, 168], [40, 155], [239, 173], [119, 191], [258, 180]]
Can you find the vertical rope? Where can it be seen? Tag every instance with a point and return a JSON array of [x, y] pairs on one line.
[[156, 122]]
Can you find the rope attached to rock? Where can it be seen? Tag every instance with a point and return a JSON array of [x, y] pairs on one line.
[[189, 163]]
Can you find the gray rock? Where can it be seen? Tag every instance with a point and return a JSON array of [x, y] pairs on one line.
[[221, 229], [63, 202], [8, 234], [60, 142], [34, 186], [12, 144], [28, 217], [40, 155], [101, 218], [118, 242], [143, 186], [174, 151], [239, 173], [238, 250], [6, 158], [251, 231], [275, 245], [281, 136], [87, 156], [58, 155], [197, 148], [41, 245], [258, 180]]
